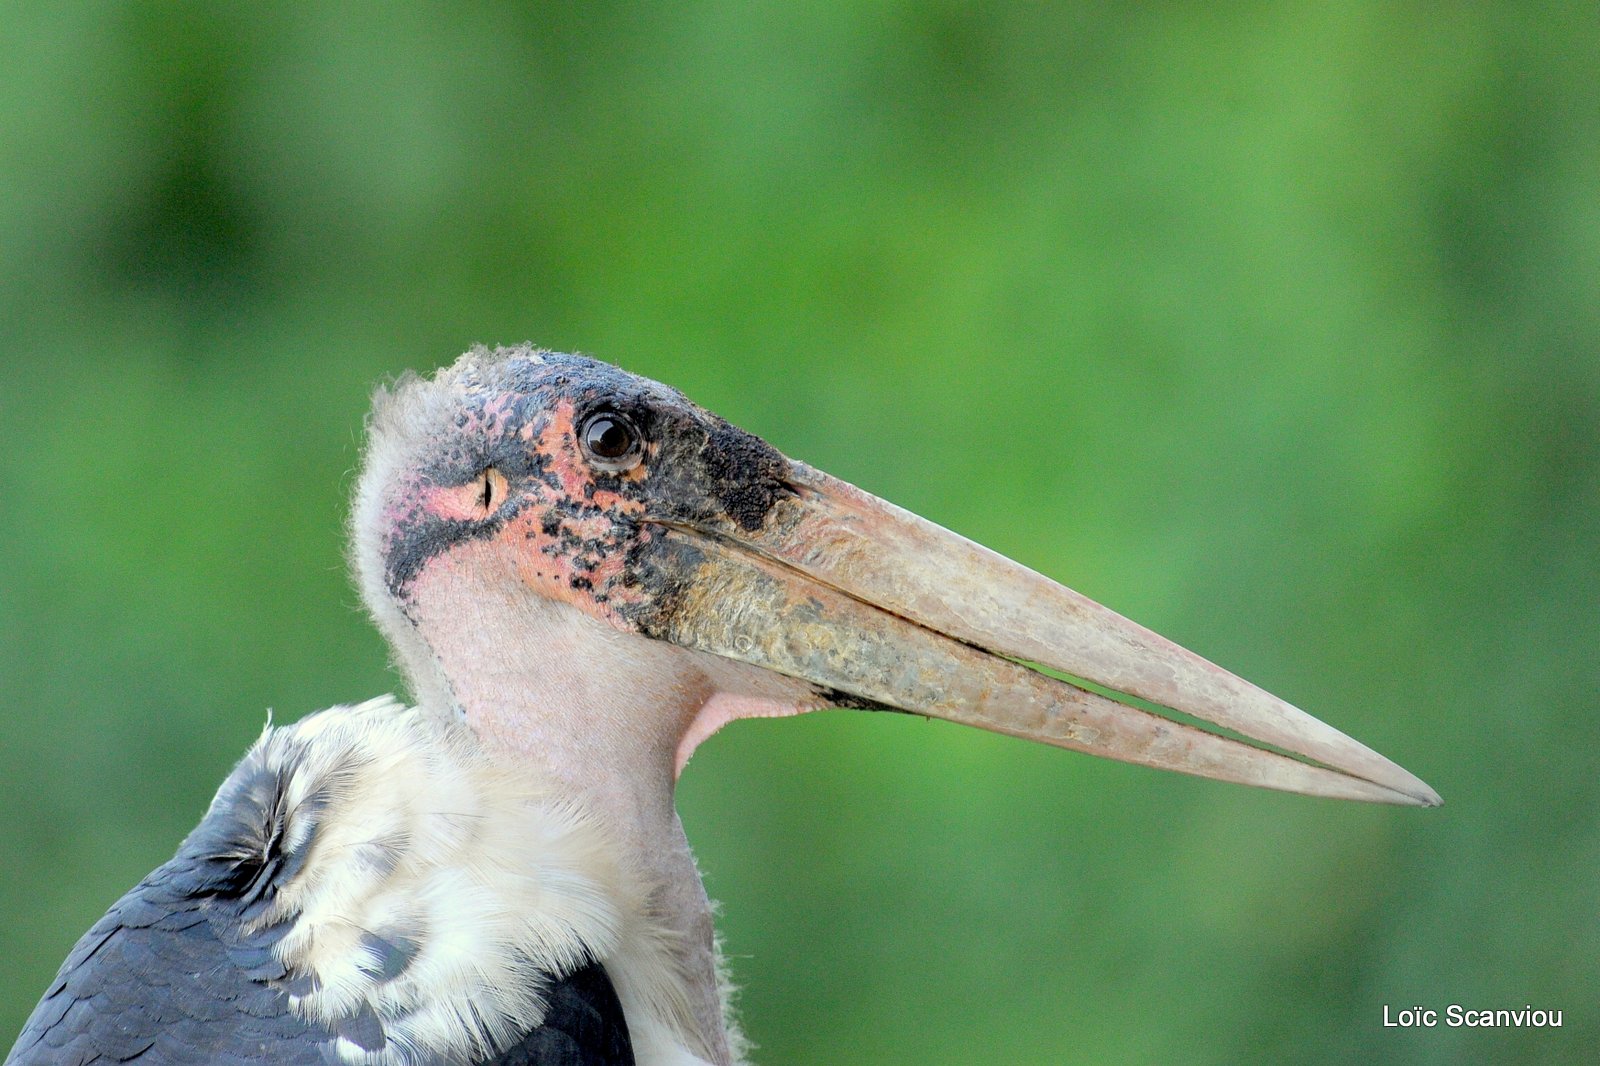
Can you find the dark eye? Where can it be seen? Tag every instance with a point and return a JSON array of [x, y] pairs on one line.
[[610, 441]]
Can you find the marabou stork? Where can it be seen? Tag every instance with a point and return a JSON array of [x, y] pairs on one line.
[[583, 575]]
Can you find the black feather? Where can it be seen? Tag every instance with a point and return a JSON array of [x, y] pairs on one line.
[[583, 1026]]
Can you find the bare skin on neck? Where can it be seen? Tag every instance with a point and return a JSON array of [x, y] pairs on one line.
[[606, 716]]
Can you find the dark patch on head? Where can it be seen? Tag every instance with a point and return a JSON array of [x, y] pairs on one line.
[[419, 537], [747, 475], [661, 567], [515, 390], [697, 471]]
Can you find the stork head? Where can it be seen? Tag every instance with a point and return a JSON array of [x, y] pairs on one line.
[[548, 518]]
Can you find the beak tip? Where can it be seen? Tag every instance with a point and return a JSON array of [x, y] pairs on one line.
[[1404, 788], [1412, 792], [1417, 791]]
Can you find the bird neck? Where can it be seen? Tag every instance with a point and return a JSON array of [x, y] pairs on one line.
[[598, 714]]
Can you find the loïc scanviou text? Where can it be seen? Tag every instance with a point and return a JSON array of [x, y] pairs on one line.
[[1456, 1016]]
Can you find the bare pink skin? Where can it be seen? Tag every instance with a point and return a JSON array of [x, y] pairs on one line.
[[541, 564], [611, 716]]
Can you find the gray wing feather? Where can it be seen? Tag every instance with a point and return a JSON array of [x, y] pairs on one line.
[[156, 981], [170, 974]]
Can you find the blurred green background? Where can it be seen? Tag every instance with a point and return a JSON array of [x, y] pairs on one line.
[[1275, 326]]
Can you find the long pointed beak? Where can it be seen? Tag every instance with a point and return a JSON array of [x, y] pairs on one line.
[[867, 600]]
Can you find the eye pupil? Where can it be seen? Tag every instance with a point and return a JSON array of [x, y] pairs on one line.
[[610, 439]]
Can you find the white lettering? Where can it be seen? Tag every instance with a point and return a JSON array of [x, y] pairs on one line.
[[1457, 1016], [1410, 1018]]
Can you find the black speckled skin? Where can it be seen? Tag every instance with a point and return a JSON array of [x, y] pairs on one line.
[[518, 410]]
